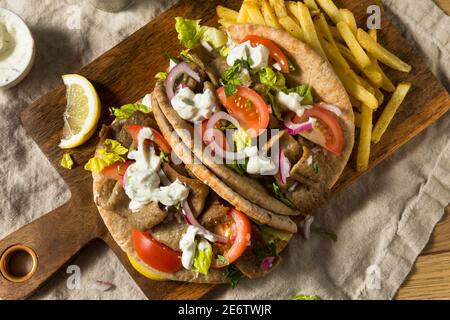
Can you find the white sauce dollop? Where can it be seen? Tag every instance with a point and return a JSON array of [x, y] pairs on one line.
[[194, 107], [188, 245], [16, 49], [258, 164], [259, 55], [291, 102], [142, 183]]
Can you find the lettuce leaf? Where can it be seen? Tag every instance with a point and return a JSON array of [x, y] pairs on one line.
[[67, 161], [104, 157], [241, 139], [190, 33], [203, 257], [126, 111], [281, 196], [161, 75], [272, 79]]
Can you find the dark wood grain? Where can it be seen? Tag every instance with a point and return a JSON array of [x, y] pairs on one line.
[[124, 74]]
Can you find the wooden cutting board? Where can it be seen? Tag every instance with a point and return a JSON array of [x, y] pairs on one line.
[[124, 74]]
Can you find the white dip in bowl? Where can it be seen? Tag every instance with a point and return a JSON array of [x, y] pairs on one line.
[[16, 49]]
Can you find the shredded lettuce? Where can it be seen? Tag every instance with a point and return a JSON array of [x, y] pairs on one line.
[[164, 156], [104, 157], [241, 139], [271, 234], [301, 296], [203, 257], [275, 107], [126, 111], [215, 37], [272, 79], [190, 33], [67, 161], [240, 168]]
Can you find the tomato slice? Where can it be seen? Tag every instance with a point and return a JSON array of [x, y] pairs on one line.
[[116, 170], [248, 107], [239, 232], [327, 132], [274, 51], [158, 138], [154, 253]]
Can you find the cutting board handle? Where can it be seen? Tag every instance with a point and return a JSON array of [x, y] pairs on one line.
[[45, 245]]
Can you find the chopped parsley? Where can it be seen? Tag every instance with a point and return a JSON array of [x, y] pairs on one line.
[[230, 89], [325, 232], [316, 167], [234, 274]]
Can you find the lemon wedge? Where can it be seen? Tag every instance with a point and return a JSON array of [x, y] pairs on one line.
[[82, 111], [145, 272]]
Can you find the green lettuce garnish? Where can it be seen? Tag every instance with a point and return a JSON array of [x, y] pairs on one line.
[[67, 161], [161, 75], [281, 196], [240, 168], [241, 139], [164, 156], [203, 258], [301, 296], [324, 232], [106, 157], [126, 111], [190, 33], [272, 79]]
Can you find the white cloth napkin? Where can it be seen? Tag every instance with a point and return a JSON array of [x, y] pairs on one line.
[[383, 220]]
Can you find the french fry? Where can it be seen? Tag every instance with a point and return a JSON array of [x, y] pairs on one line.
[[349, 38], [365, 134], [309, 31], [387, 83], [331, 10], [357, 119], [269, 16], [389, 111], [226, 23], [279, 8], [311, 4], [356, 89], [243, 14], [254, 14], [373, 34], [371, 72], [335, 56], [324, 29], [291, 26], [226, 14], [349, 19], [382, 54], [293, 9], [337, 36]]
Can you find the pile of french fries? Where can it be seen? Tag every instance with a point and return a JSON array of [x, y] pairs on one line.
[[354, 54]]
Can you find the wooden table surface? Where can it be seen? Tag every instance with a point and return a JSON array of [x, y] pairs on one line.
[[430, 276]]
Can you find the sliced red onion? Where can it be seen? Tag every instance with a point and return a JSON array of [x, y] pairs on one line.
[[181, 68], [293, 186], [332, 108], [307, 226], [295, 128], [284, 167], [210, 135], [163, 177], [102, 285], [267, 263], [190, 219], [206, 45]]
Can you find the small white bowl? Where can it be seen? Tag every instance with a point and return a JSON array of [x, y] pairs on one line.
[[15, 62]]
